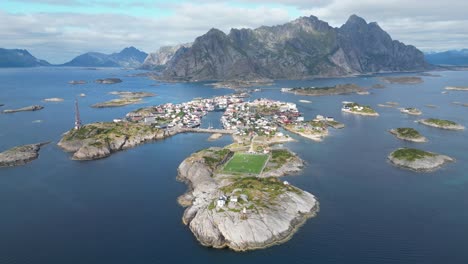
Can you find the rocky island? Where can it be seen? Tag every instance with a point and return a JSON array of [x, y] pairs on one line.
[[417, 160], [320, 91], [24, 109], [117, 102], [100, 140], [403, 80], [456, 88], [54, 99], [232, 203], [77, 82], [126, 94], [411, 111], [109, 81], [20, 155], [355, 108], [440, 123], [408, 134]]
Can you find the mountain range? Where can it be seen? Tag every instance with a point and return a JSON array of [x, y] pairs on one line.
[[129, 57], [451, 57], [303, 48], [19, 58]]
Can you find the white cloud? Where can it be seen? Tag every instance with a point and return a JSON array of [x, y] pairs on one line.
[[58, 37]]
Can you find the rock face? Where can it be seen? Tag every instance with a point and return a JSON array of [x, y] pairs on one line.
[[418, 160], [302, 48], [19, 58], [100, 140], [129, 57], [160, 58], [257, 227], [20, 155], [24, 109]]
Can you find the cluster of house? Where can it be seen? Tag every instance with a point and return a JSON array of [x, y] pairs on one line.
[[247, 117], [188, 114], [352, 107]]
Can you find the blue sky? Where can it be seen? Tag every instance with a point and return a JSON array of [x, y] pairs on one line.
[[58, 30]]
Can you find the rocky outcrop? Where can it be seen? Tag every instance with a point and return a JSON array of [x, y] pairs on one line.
[[20, 155], [303, 48], [443, 124], [108, 81], [24, 109], [418, 160], [100, 140], [408, 134], [159, 59], [266, 221]]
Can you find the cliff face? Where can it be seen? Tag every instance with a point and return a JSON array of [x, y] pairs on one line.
[[161, 57], [302, 48]]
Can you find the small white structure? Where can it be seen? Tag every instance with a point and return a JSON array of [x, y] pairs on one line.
[[319, 117], [221, 201], [286, 183], [300, 119], [244, 211], [233, 199]]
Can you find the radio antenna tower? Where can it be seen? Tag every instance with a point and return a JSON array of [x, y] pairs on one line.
[[77, 116]]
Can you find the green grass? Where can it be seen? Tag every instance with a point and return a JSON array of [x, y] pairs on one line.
[[261, 191], [246, 163], [441, 122], [411, 154], [408, 132]]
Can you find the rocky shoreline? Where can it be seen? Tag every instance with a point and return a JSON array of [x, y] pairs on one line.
[[456, 88], [400, 133], [360, 113], [109, 81], [258, 227], [422, 161], [322, 91], [100, 140], [449, 125], [20, 155], [24, 109]]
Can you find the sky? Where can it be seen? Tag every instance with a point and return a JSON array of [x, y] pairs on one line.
[[59, 30]]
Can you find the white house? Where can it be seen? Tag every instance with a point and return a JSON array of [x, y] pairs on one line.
[[233, 199]]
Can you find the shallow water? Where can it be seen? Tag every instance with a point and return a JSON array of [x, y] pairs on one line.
[[123, 209]]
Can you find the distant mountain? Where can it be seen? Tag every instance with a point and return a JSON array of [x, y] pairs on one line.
[[159, 59], [128, 57], [19, 58], [303, 48], [451, 57]]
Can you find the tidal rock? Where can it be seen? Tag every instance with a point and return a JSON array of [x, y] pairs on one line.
[[418, 160], [24, 109], [20, 155]]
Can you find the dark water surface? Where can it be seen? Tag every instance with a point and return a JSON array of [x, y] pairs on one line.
[[123, 209]]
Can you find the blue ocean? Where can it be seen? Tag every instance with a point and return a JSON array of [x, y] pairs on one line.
[[123, 209]]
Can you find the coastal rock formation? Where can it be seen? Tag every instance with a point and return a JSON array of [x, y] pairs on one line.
[[408, 134], [108, 81], [456, 88], [303, 48], [125, 94], [440, 123], [411, 111], [272, 210], [24, 109], [99, 140], [159, 59], [418, 160], [20, 155]]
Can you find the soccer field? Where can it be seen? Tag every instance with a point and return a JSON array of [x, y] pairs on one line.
[[246, 163]]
